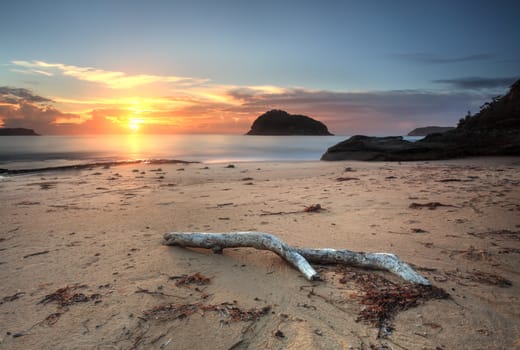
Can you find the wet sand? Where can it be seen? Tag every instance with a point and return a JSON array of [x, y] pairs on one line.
[[83, 265]]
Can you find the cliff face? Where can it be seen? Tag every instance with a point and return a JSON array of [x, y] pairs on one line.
[[17, 132], [278, 122], [495, 130]]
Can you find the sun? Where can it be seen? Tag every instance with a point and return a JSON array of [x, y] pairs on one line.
[[134, 124]]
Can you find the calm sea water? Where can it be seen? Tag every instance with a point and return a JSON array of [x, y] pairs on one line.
[[17, 152]]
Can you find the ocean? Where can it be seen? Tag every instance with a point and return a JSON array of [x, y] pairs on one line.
[[22, 152]]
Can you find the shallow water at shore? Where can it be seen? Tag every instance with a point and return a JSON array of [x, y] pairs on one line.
[[45, 151], [29, 152]]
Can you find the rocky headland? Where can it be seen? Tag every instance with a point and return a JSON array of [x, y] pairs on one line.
[[495, 130], [278, 122], [427, 130], [17, 132]]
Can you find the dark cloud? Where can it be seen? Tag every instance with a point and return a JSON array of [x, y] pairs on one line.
[[27, 115], [392, 103], [20, 108], [477, 83], [436, 59], [15, 95], [242, 93]]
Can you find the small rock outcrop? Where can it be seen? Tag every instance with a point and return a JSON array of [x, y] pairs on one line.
[[495, 130], [278, 122], [17, 132], [391, 148], [427, 130]]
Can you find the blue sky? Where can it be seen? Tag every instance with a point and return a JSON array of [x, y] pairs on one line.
[[374, 67]]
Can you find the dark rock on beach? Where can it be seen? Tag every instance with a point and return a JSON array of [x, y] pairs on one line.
[[427, 130], [17, 132], [495, 130], [390, 148], [278, 122]]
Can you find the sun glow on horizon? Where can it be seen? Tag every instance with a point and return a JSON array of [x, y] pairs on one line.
[[134, 124]]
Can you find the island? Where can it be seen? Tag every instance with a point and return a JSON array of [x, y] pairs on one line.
[[277, 122], [427, 130], [17, 132], [494, 130]]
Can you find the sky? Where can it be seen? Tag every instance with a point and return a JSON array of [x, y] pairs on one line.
[[362, 67]]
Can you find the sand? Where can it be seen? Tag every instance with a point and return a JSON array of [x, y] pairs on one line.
[[94, 239]]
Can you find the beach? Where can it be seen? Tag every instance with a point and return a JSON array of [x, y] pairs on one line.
[[83, 263]]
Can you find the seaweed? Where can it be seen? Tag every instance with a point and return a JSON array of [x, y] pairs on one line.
[[429, 205], [229, 312], [67, 296], [197, 278], [383, 299]]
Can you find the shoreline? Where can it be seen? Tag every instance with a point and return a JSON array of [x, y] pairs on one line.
[[97, 164], [90, 166], [98, 234]]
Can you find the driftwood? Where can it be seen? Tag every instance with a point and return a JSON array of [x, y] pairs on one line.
[[377, 261], [258, 240], [295, 256]]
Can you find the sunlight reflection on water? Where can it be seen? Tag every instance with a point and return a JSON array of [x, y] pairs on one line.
[[24, 151]]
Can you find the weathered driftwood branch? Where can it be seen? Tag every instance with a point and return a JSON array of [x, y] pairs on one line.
[[295, 256], [258, 240], [378, 261]]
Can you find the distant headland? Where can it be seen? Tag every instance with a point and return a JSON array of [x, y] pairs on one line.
[[277, 122], [17, 132], [427, 130]]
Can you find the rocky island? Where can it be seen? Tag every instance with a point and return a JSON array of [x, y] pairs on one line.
[[278, 122], [427, 130], [495, 130], [17, 132]]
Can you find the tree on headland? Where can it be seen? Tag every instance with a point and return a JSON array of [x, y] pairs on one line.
[[462, 121]]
